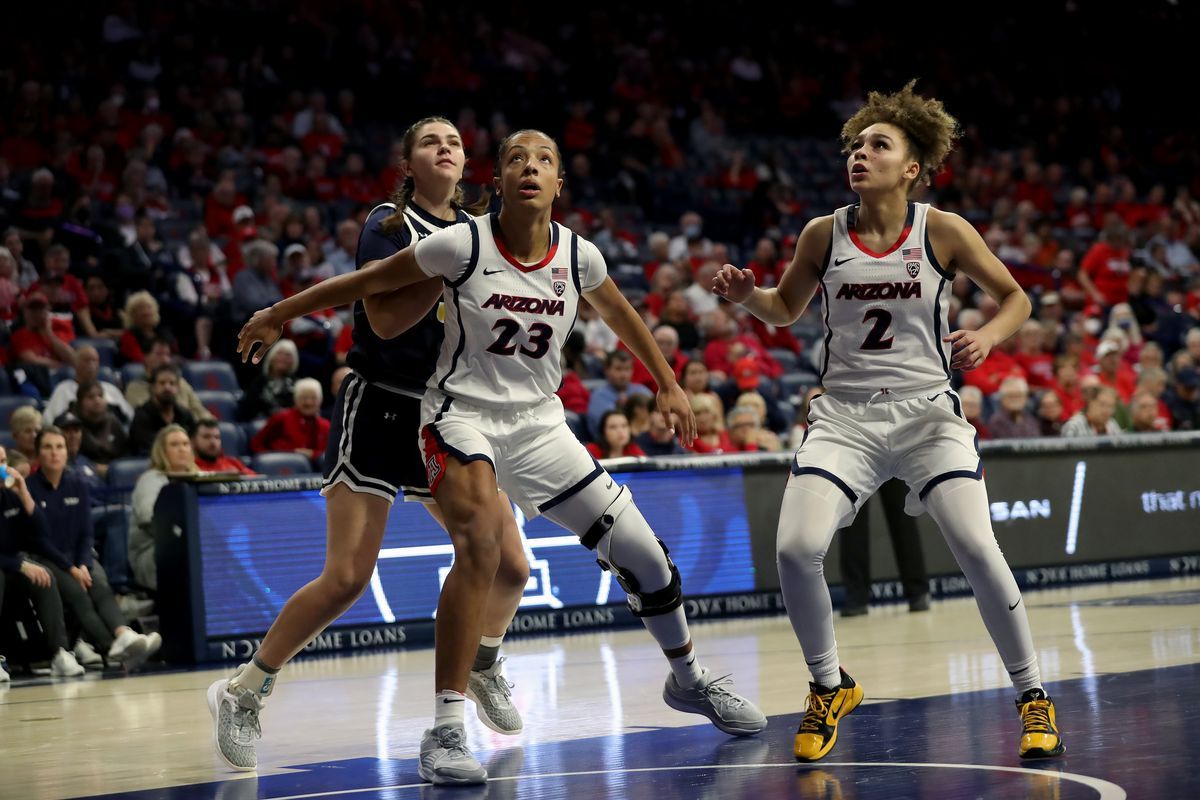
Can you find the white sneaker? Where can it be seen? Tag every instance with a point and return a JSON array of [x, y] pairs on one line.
[[492, 694], [153, 643], [130, 649], [86, 655], [235, 725], [4, 676], [446, 759], [64, 665]]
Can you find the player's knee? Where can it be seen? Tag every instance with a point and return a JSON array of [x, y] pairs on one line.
[[345, 583], [513, 571], [798, 554], [476, 540], [639, 560]]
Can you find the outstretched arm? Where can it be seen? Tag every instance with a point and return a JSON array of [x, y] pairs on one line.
[[961, 246], [625, 322], [784, 304], [392, 313], [386, 274]]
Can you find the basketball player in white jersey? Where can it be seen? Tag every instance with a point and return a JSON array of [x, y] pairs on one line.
[[397, 338], [884, 266], [512, 286]]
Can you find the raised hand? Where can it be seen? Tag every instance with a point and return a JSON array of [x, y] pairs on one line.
[[263, 330], [735, 285]]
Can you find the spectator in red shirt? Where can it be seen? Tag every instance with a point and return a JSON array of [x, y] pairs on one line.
[[219, 206], [666, 281], [36, 346], [1067, 385], [998, 366], [766, 266], [67, 297], [206, 444], [773, 337], [355, 184], [572, 392], [660, 244], [667, 340], [1104, 271], [723, 337], [711, 436], [1032, 357], [1112, 371], [143, 326], [298, 429], [615, 438]]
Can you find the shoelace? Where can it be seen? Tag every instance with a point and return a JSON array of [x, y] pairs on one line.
[[499, 684], [246, 726], [452, 741], [1036, 716], [718, 691], [818, 710]]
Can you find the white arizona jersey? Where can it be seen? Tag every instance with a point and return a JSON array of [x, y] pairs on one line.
[[506, 321], [885, 313]]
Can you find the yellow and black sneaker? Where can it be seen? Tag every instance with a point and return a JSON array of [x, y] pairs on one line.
[[818, 730], [1039, 734]]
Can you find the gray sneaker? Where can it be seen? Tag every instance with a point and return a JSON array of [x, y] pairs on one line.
[[445, 758], [493, 700], [715, 699], [235, 725]]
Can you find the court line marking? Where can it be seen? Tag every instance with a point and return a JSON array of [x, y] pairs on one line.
[[1105, 789]]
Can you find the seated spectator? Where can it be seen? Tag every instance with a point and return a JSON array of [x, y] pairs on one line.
[[1183, 398], [200, 293], [24, 424], [206, 444], [766, 266], [87, 370], [103, 435], [1114, 372], [272, 389], [105, 316], [65, 502], [161, 410], [10, 287], [659, 440], [746, 434], [298, 429], [1012, 419], [1143, 413], [64, 292], [72, 430], [24, 532], [614, 440], [637, 410], [972, 407], [1096, 419], [696, 382], [1153, 380], [677, 313], [999, 365], [573, 393], [143, 327], [1032, 357], [137, 392], [170, 455], [667, 340], [1104, 270], [1067, 385], [767, 420], [666, 282], [146, 257], [27, 273], [800, 421], [1049, 414], [773, 337], [719, 354], [36, 348], [599, 337], [699, 294], [618, 387], [711, 436], [255, 286]]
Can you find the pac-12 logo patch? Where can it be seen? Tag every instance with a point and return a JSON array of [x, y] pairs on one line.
[[558, 280], [913, 268]]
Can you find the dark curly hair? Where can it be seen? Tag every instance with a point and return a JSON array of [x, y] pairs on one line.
[[929, 129]]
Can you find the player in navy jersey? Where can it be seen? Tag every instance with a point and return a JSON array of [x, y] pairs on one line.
[[372, 457], [512, 283], [885, 266]]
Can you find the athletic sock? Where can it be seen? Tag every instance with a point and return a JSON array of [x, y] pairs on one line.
[[448, 708]]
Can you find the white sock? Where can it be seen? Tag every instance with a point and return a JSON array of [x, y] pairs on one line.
[[254, 677], [687, 670], [448, 708]]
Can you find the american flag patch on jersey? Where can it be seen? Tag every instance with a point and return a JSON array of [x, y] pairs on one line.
[[558, 280], [911, 253]]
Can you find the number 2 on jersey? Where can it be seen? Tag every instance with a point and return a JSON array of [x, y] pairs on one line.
[[882, 321], [539, 339]]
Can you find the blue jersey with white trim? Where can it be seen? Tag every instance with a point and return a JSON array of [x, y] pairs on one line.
[[506, 321], [885, 313], [406, 361]]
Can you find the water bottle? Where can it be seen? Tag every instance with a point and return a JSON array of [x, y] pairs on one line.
[[9, 478]]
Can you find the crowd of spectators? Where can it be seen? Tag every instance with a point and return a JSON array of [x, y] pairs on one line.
[[165, 173]]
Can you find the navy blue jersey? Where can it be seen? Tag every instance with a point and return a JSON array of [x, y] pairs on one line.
[[407, 361]]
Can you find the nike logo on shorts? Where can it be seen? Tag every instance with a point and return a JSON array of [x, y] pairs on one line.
[[837, 262], [1014, 605], [493, 272], [609, 484]]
